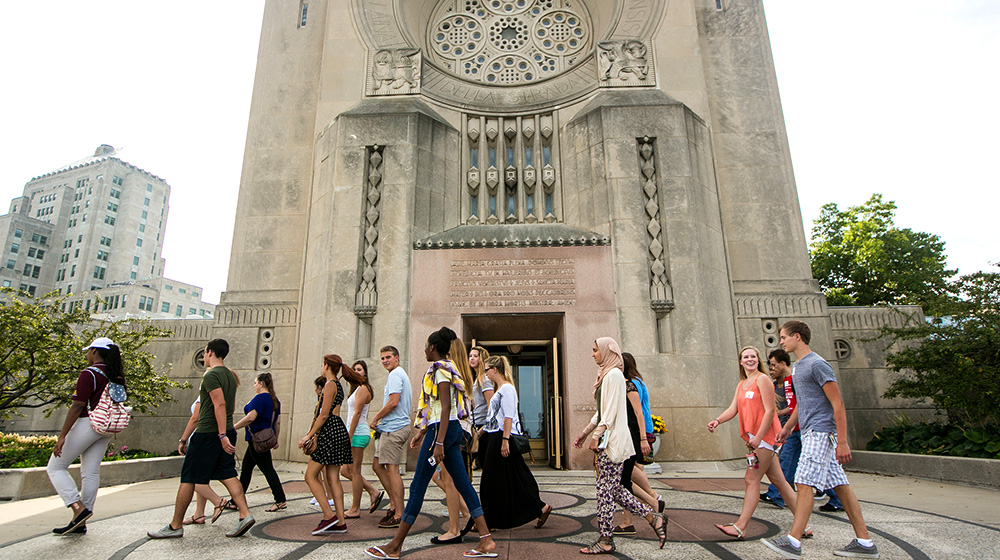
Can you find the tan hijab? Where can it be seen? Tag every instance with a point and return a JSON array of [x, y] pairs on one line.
[[611, 357]]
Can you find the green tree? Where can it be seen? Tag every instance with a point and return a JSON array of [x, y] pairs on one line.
[[860, 257], [954, 361], [41, 357]]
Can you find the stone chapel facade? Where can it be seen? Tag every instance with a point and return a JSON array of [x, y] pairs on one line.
[[533, 174]]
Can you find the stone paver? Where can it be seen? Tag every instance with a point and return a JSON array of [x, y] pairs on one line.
[[908, 518]]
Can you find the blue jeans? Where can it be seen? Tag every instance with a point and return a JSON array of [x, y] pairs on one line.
[[789, 461], [453, 442], [834, 500]]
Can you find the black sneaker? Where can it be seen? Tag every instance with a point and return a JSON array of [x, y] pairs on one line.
[[784, 547], [830, 508], [78, 521], [855, 549]]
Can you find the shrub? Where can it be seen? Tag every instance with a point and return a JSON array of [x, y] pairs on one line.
[[17, 451], [20, 452], [939, 439]]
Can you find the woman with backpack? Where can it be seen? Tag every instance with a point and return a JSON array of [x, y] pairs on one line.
[[262, 412], [78, 439]]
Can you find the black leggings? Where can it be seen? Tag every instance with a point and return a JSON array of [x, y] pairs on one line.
[[263, 462]]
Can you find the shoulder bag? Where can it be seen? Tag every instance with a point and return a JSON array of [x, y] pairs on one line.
[[267, 438]]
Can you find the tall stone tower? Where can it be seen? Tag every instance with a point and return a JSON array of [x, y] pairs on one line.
[[534, 174]]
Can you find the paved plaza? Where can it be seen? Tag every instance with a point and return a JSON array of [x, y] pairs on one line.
[[908, 518]]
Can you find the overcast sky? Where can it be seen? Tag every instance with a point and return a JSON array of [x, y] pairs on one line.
[[890, 97]]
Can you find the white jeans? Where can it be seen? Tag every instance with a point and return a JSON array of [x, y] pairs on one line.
[[83, 442]]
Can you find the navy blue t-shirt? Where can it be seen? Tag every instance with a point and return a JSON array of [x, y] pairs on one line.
[[263, 405]]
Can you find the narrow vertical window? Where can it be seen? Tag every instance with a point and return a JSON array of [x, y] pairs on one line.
[[303, 12]]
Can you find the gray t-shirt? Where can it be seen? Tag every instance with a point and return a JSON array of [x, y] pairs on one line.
[[399, 418], [779, 402], [479, 404], [809, 374]]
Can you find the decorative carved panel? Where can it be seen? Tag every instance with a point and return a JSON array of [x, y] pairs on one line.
[[393, 72], [366, 300], [627, 63]]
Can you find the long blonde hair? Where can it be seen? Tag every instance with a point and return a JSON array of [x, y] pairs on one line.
[[460, 357], [739, 361], [503, 367], [481, 366]]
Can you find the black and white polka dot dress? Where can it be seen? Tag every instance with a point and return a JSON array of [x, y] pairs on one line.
[[333, 445]]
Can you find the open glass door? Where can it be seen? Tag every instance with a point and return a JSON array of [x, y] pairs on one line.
[[535, 369], [555, 406]]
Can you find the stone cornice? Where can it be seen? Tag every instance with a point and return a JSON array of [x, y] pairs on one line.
[[256, 315], [512, 236]]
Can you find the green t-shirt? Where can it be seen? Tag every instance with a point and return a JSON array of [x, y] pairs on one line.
[[219, 377]]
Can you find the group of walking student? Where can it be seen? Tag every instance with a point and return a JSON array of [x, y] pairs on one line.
[[467, 411]]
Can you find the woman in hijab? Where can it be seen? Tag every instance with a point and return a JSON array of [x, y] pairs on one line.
[[611, 441]]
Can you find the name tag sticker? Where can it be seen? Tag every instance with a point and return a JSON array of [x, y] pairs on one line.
[[749, 395]]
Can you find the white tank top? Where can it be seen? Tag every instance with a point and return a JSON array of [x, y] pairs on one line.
[[362, 429]]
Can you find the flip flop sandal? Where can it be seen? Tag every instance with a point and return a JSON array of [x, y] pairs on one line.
[[738, 535], [377, 502], [276, 507], [478, 554], [543, 517], [200, 520], [376, 552], [808, 533], [598, 547], [219, 509]]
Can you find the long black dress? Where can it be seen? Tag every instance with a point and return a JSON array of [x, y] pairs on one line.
[[507, 489]]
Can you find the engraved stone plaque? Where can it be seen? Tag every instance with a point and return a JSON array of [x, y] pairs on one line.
[[516, 284]]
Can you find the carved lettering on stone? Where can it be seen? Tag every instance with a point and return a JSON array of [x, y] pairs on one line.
[[394, 72], [512, 283], [626, 63]]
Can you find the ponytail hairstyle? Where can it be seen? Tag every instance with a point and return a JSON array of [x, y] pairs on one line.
[[337, 366], [112, 358], [356, 380], [441, 340], [631, 369], [503, 367], [267, 380], [480, 372], [460, 357]]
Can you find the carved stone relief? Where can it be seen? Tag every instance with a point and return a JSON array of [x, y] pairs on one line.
[[625, 63], [394, 72], [661, 293], [366, 300], [521, 56]]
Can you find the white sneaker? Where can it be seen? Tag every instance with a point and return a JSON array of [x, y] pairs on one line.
[[313, 502]]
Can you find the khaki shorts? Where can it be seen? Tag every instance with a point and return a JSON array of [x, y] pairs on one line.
[[389, 446]]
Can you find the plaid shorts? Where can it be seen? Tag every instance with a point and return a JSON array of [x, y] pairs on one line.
[[818, 466]]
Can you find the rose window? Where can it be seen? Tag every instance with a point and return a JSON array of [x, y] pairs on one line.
[[509, 42]]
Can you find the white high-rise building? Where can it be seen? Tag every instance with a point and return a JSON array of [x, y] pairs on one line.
[[86, 226]]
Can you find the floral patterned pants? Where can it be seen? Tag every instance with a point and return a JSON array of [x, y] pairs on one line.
[[610, 492]]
